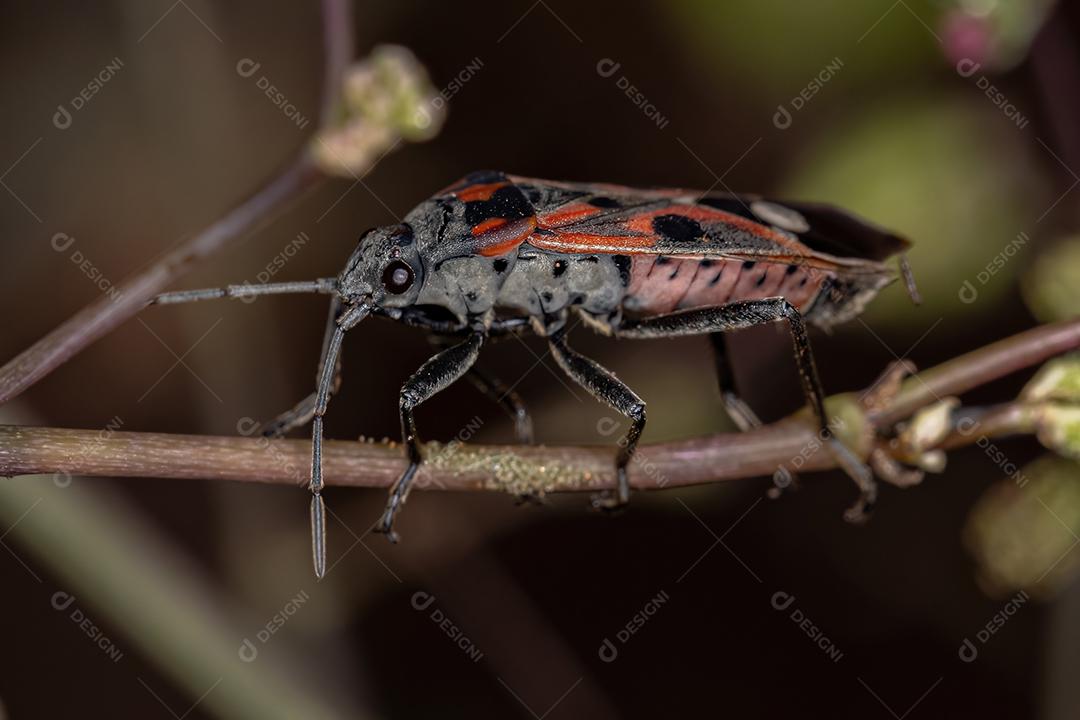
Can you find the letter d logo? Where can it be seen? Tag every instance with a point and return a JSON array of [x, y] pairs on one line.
[[607, 67], [782, 600], [782, 118], [967, 67], [422, 600], [247, 67], [62, 600], [968, 294], [61, 118], [248, 652]]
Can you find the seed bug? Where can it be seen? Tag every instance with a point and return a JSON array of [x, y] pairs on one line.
[[495, 254]]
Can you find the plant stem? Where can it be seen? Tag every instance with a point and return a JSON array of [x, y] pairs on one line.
[[981, 366], [791, 443], [106, 313]]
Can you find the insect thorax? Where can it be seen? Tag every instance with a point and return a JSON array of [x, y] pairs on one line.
[[526, 282]]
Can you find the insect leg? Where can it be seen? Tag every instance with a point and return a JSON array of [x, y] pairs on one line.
[[331, 353], [304, 411], [508, 400], [511, 403], [749, 313], [324, 286], [435, 375], [604, 386], [741, 413], [498, 392], [737, 409]]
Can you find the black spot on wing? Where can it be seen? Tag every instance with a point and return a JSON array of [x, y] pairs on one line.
[[601, 201], [499, 265], [507, 203], [558, 268], [678, 228]]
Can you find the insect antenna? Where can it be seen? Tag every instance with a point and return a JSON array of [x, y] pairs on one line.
[[909, 280], [322, 286]]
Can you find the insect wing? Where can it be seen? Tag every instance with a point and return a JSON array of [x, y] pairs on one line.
[[612, 219]]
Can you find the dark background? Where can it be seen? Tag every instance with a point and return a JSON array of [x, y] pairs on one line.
[[177, 137]]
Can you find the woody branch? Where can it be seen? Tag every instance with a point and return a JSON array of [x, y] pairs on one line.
[[108, 312], [791, 443]]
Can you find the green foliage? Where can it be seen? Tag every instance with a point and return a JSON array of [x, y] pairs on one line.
[[1022, 532], [1050, 286], [920, 165]]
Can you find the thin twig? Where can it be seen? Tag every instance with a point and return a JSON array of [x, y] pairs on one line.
[[107, 312], [792, 443], [988, 363], [25, 450]]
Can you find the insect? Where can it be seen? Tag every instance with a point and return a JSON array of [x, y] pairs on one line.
[[495, 254]]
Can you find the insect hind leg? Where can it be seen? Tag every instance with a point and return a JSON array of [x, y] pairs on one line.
[[749, 313], [737, 409], [604, 386]]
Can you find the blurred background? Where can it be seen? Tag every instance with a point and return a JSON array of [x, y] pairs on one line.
[[956, 123]]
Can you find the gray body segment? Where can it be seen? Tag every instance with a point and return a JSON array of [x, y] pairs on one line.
[[528, 283]]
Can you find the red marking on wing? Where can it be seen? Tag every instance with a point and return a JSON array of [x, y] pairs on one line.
[[478, 192], [497, 236], [566, 215], [570, 231], [489, 224], [572, 242]]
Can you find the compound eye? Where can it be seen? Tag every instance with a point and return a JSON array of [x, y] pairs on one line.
[[397, 277]]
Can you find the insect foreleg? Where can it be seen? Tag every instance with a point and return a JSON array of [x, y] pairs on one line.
[[304, 411], [435, 375], [323, 286], [604, 386], [735, 316], [328, 364]]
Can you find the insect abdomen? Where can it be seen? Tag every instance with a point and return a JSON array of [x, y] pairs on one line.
[[661, 284]]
